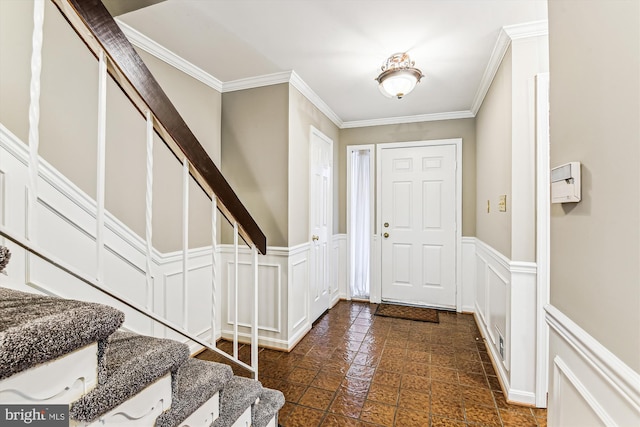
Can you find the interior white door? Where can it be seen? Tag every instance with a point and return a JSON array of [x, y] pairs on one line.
[[320, 212], [418, 217]]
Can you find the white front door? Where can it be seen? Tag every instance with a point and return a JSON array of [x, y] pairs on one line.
[[320, 213], [418, 217]]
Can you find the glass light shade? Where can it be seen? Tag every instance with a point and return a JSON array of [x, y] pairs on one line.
[[399, 84], [399, 76]]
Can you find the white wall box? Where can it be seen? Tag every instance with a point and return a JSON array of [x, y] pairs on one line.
[[565, 183]]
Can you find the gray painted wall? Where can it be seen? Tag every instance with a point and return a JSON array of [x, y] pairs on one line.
[[68, 124], [302, 115], [595, 110], [16, 27], [255, 152], [493, 161]]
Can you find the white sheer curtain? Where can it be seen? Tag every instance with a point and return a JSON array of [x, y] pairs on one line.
[[360, 225]]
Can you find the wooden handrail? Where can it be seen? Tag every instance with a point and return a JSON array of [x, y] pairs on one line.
[[100, 32]]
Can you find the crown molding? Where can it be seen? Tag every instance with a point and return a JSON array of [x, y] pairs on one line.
[[258, 81], [307, 92], [409, 119], [530, 29], [148, 45], [284, 77], [143, 42], [506, 36], [499, 50]]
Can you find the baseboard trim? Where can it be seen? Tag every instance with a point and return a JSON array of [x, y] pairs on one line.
[[268, 342], [245, 338], [518, 397], [503, 376], [297, 337]]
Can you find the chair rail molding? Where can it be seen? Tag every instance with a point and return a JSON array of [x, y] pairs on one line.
[[586, 374]]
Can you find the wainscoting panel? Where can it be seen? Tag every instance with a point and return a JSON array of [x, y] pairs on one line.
[[468, 274], [339, 268], [125, 277], [65, 227], [492, 302], [269, 295], [505, 311], [498, 303], [298, 302], [522, 332], [299, 275], [589, 385], [283, 280], [481, 275], [59, 233]]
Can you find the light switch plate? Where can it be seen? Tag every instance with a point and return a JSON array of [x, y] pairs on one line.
[[502, 203]]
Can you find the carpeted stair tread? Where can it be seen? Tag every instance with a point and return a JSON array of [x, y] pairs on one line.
[[271, 401], [132, 362], [197, 381], [35, 329], [238, 394]]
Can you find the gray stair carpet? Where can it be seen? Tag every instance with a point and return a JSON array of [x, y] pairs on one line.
[[196, 382], [270, 403], [35, 329], [236, 397], [132, 362]]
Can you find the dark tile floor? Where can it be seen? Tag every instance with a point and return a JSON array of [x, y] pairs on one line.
[[357, 369]]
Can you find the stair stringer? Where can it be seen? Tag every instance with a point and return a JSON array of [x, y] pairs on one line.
[[59, 381], [140, 410], [245, 419], [205, 415]]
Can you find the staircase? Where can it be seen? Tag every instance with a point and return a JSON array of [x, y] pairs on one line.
[[59, 351]]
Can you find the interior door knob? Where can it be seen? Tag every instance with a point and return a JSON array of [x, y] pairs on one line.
[[314, 237], [386, 235]]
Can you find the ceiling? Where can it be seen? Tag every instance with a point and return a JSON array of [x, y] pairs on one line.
[[337, 46]]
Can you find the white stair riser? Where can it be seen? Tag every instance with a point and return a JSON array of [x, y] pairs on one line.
[[66, 379], [205, 415], [139, 411], [60, 381], [244, 420]]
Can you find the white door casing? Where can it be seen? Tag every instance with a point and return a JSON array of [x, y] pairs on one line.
[[543, 220], [320, 221], [419, 201]]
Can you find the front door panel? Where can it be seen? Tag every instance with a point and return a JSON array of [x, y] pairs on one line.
[[419, 209]]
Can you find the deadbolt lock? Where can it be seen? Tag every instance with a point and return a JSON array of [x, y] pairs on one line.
[[386, 224], [386, 235]]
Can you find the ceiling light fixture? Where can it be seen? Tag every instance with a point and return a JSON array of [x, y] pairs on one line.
[[398, 76]]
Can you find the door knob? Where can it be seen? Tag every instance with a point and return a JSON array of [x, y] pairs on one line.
[[386, 235], [386, 224], [314, 237]]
